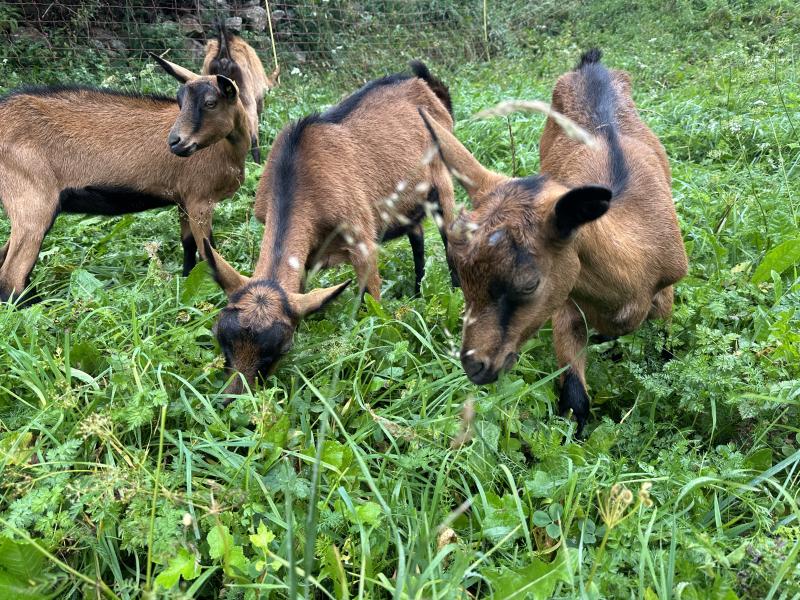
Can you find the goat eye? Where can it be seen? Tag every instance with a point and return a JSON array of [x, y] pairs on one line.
[[211, 103], [529, 288]]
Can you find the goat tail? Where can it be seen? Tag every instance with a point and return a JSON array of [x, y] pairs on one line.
[[222, 37], [439, 89], [590, 57]]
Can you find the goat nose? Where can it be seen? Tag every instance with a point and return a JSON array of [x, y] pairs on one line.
[[477, 371], [174, 139]]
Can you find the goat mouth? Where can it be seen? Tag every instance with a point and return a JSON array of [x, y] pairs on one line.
[[483, 377], [181, 150]]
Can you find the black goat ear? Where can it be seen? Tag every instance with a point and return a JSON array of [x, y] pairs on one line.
[[227, 87], [579, 206]]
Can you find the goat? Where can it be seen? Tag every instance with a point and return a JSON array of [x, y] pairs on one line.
[[94, 151], [595, 236], [231, 56], [335, 185]]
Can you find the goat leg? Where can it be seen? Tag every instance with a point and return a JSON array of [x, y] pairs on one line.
[[570, 339]]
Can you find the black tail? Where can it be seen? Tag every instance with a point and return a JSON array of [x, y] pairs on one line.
[[590, 57], [437, 87], [222, 37]]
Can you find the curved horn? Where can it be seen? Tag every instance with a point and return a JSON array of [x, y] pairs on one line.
[[228, 278], [178, 72], [476, 179], [222, 40]]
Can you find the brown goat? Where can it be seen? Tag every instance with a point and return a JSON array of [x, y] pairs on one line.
[[335, 185], [536, 247], [231, 56], [94, 151]]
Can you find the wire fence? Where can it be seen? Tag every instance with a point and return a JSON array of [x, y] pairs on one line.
[[315, 34]]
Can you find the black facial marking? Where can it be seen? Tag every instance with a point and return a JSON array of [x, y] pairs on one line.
[[599, 96], [269, 341], [507, 301], [573, 396], [181, 95], [199, 94], [108, 200]]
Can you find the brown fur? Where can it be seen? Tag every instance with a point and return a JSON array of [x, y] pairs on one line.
[[345, 172], [615, 270], [84, 138], [250, 76]]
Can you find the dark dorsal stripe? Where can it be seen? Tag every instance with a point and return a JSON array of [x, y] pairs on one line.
[[338, 113], [284, 173], [61, 90], [601, 101]]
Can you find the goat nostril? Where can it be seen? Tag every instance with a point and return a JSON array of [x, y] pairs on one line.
[[472, 367], [174, 139]]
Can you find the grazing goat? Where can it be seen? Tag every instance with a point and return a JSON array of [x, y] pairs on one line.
[[95, 151], [335, 185], [536, 247], [231, 56]]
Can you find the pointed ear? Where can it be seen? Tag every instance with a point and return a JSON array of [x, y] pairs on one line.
[[305, 304], [228, 278], [477, 180], [580, 206], [227, 87], [178, 72]]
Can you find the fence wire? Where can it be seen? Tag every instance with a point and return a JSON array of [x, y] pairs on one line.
[[316, 34]]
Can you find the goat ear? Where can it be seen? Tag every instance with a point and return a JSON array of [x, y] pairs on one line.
[[476, 179], [228, 278], [580, 206], [227, 87], [178, 72], [311, 302]]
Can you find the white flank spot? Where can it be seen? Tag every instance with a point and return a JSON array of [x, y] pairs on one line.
[[401, 186], [362, 247], [294, 263], [423, 187]]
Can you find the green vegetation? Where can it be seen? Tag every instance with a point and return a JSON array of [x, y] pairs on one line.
[[368, 466]]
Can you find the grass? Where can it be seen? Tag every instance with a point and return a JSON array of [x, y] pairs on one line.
[[369, 467]]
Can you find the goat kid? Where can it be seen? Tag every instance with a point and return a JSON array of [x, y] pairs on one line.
[[595, 236], [231, 56], [336, 184], [85, 150]]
